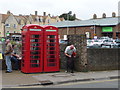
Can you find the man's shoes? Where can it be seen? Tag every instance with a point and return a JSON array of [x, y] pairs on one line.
[[8, 72]]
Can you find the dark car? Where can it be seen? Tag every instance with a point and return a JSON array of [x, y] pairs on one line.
[[117, 43]]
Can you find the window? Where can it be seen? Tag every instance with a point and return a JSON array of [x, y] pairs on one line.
[[14, 26], [7, 25], [40, 19], [35, 19], [48, 21]]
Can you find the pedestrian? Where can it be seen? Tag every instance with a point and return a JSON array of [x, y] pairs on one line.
[[8, 52], [15, 58], [70, 53]]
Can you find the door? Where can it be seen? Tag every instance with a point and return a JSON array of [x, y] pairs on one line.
[[36, 52], [51, 50]]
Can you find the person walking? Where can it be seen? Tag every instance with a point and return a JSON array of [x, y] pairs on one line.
[[8, 52], [70, 53]]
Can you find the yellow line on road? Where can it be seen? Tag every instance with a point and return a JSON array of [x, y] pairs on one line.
[[86, 82]]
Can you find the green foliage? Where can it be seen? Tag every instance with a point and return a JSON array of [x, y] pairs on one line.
[[68, 16]]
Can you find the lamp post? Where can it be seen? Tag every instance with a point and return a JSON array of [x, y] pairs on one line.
[[94, 29], [3, 46], [70, 12], [4, 30]]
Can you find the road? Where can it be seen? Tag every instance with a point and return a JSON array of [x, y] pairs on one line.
[[86, 84], [90, 84]]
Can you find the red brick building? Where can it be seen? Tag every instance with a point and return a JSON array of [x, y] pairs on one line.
[[106, 26]]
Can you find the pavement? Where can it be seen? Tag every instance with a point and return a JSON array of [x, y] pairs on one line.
[[17, 78]]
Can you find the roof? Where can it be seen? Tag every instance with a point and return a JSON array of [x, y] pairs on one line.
[[4, 17], [19, 18], [98, 22]]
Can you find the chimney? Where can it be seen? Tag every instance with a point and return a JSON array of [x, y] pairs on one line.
[[8, 12], [44, 13], [36, 13], [20, 14], [49, 15], [113, 14], [94, 16], [104, 15], [74, 15]]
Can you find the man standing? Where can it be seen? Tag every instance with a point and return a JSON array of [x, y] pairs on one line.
[[70, 53], [8, 52]]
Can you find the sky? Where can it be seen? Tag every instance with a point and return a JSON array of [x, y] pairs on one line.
[[84, 9]]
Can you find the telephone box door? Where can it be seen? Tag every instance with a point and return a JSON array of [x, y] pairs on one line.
[[51, 49]]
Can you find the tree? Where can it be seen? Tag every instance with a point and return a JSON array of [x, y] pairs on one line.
[[68, 16]]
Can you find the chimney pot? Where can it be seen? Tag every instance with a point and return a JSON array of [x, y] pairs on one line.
[[113, 14], [44, 13], [35, 12], [20, 14], [8, 12], [104, 15], [94, 16]]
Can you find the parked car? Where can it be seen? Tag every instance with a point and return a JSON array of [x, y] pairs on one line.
[[90, 43], [104, 38], [97, 42], [117, 43], [111, 43], [63, 41]]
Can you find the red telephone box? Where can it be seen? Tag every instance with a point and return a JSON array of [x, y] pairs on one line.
[[32, 49], [51, 49]]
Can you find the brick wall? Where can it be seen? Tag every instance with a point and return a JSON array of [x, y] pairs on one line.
[[103, 59], [83, 30], [97, 59], [79, 41]]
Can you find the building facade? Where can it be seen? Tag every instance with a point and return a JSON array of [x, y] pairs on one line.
[[12, 24]]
